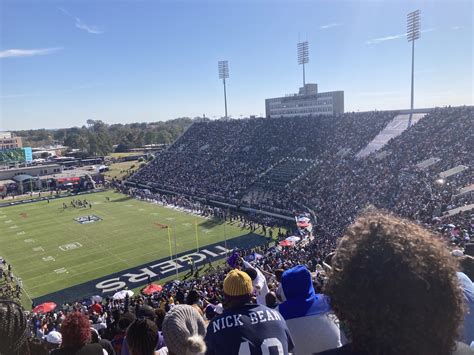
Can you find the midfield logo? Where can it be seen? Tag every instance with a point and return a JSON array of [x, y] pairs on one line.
[[88, 219]]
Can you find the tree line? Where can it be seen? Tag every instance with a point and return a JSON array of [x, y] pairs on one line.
[[99, 138]]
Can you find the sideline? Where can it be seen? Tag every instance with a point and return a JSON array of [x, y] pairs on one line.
[[51, 197]]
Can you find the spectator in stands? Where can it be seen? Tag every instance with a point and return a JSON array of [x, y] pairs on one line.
[[184, 330], [307, 314], [142, 336], [144, 312], [194, 299], [279, 291], [259, 282], [76, 337], [38, 347], [244, 327], [125, 320], [54, 340], [13, 329], [394, 285], [271, 300], [106, 345], [467, 287]]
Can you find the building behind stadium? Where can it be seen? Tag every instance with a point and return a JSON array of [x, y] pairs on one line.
[[308, 102], [9, 141]]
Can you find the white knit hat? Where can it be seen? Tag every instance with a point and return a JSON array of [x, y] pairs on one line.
[[184, 331]]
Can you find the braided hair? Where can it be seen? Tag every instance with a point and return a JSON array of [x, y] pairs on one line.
[[13, 329]]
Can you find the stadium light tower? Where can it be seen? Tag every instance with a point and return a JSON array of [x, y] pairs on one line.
[[413, 33], [303, 56], [224, 74]]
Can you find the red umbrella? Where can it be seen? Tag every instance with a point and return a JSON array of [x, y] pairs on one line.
[[152, 288], [45, 307], [286, 243]]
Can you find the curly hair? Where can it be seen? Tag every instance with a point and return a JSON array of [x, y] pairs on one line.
[[13, 329], [395, 286], [75, 330]]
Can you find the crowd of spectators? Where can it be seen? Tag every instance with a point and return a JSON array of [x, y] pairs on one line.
[[221, 159], [391, 287]]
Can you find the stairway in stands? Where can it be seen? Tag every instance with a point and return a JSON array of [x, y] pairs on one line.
[[278, 178], [392, 130]]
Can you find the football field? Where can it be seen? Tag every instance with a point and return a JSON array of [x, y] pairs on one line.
[[52, 248]]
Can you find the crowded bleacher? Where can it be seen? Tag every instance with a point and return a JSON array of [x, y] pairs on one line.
[[366, 282]]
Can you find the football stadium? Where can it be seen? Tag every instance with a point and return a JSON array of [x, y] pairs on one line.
[[338, 222], [61, 252]]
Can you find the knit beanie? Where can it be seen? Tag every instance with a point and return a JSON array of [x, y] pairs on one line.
[[237, 283], [184, 331]]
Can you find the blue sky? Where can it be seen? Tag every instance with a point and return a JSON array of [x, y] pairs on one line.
[[63, 62]]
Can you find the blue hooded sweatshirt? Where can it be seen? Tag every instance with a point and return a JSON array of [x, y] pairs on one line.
[[301, 300], [307, 314]]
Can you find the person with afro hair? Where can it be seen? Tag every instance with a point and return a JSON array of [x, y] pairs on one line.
[[76, 334], [394, 285]]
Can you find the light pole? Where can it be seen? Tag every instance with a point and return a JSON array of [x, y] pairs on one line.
[[223, 66], [303, 57], [413, 33]]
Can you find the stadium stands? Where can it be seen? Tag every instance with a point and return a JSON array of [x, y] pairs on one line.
[[314, 163]]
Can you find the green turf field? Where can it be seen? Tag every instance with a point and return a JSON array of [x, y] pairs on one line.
[[51, 251]]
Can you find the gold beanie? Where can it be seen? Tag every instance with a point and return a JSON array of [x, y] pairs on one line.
[[237, 283]]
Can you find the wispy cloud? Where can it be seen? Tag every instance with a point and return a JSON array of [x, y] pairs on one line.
[[455, 28], [330, 25], [81, 24], [21, 53], [384, 39], [390, 38]]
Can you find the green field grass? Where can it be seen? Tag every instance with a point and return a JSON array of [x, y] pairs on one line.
[[31, 236], [124, 154]]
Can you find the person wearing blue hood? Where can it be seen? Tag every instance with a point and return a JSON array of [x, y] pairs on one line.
[[312, 324]]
